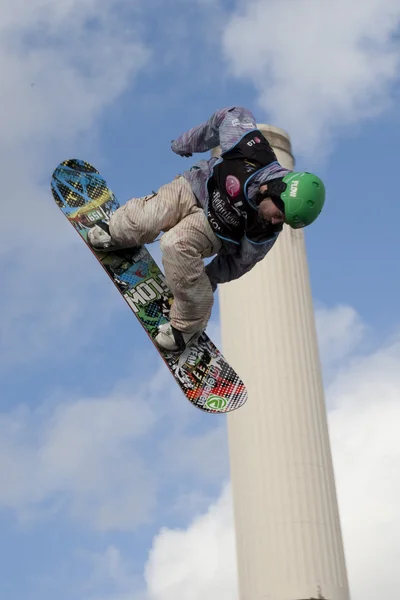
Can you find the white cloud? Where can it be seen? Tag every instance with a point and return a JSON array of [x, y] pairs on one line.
[[109, 462], [78, 457], [316, 66], [109, 571], [340, 331], [364, 432], [46, 305], [62, 64], [197, 562]]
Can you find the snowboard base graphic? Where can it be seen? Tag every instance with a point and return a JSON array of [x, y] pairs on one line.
[[201, 371]]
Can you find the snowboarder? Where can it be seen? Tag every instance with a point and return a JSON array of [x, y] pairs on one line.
[[233, 207]]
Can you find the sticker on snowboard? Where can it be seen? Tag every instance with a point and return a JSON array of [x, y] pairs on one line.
[[201, 371]]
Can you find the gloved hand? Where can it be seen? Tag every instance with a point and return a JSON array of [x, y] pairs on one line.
[[186, 154]]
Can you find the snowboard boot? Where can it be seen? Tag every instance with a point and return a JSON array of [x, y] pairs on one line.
[[172, 340], [100, 239]]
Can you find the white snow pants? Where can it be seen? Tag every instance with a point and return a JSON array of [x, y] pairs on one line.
[[186, 241]]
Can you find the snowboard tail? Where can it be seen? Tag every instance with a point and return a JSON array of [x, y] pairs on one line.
[[201, 371]]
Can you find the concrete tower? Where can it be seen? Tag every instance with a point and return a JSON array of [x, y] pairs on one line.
[[288, 533]]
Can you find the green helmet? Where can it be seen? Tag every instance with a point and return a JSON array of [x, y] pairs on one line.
[[303, 198]]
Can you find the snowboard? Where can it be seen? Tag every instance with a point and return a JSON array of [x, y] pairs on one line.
[[201, 371]]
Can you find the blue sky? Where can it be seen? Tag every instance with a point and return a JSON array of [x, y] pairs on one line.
[[104, 467]]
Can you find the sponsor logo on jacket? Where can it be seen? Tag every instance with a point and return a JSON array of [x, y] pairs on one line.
[[244, 124], [232, 185]]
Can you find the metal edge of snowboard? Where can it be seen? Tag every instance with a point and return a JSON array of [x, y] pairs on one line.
[[100, 256]]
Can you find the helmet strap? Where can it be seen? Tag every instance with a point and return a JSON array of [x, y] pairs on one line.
[[276, 187], [274, 191]]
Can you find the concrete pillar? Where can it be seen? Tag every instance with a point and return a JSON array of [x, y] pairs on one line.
[[288, 531]]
